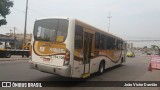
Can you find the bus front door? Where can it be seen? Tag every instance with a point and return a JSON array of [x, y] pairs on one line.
[[87, 46]]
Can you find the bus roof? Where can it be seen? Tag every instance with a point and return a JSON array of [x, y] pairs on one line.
[[97, 29], [84, 24], [60, 17]]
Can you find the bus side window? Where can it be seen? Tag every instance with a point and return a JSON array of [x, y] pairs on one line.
[[118, 45], [78, 37], [106, 44], [97, 40], [110, 43], [102, 40]]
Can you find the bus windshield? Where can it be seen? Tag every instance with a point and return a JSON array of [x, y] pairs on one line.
[[49, 29]]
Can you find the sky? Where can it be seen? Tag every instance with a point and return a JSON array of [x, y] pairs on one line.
[[131, 19]]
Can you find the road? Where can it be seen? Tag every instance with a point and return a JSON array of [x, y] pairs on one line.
[[135, 69]]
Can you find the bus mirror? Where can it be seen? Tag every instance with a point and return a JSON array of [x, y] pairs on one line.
[[59, 39]]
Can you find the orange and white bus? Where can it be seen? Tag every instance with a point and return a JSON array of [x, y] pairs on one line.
[[72, 48]]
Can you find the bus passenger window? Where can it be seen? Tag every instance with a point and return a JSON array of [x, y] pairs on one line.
[[97, 40], [78, 37], [102, 40]]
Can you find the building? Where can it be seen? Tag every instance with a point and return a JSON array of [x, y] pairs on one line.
[[20, 36], [16, 41]]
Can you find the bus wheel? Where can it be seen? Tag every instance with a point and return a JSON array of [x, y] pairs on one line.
[[23, 56], [27, 55], [122, 60], [101, 67], [7, 55]]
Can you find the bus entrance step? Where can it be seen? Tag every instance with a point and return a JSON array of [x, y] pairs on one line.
[[85, 75]]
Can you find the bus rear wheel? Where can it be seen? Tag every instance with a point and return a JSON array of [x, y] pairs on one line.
[[101, 67]]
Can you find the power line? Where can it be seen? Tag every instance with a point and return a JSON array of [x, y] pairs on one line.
[[36, 12], [142, 40], [144, 37], [5, 27], [139, 37], [19, 10], [39, 13]]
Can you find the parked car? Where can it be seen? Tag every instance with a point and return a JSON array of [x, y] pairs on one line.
[[130, 54], [149, 53]]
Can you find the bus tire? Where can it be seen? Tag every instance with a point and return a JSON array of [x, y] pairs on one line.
[[27, 55], [23, 56], [101, 67], [122, 60], [7, 55]]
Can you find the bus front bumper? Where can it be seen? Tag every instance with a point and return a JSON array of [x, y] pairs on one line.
[[59, 70]]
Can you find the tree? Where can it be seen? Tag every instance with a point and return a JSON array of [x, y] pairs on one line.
[[5, 6], [156, 49]]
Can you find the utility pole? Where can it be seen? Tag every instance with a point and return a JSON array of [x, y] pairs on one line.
[[10, 32], [25, 26], [14, 32], [109, 17], [14, 37]]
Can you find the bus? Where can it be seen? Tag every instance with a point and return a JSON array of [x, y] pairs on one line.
[[71, 48]]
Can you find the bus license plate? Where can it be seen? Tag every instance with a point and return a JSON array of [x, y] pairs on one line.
[[46, 59]]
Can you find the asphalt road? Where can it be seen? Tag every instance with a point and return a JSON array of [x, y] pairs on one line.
[[135, 69]]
